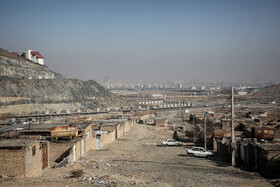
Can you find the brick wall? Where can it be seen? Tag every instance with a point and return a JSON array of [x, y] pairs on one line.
[[268, 157], [57, 149], [106, 139], [33, 161], [223, 148], [24, 162], [90, 139], [13, 162], [113, 135], [78, 149], [108, 128], [120, 130], [130, 124], [126, 127]]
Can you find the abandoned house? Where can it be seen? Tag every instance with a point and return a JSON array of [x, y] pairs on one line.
[[23, 157], [28, 155]]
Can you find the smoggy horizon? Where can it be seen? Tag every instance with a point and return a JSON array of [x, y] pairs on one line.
[[193, 41]]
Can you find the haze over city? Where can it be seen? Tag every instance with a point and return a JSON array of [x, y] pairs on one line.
[[145, 40], [140, 93]]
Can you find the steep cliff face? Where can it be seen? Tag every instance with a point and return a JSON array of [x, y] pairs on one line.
[[27, 87]]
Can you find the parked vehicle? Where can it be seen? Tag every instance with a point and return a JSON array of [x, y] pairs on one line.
[[171, 142], [200, 152]]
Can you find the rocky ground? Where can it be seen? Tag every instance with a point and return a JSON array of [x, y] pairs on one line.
[[136, 160]]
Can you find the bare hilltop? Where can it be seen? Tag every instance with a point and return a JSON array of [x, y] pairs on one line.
[[27, 87]]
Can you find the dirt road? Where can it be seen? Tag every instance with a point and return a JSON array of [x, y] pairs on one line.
[[135, 160]]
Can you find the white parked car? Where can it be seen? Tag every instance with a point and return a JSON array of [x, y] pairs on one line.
[[199, 151], [171, 142], [18, 129]]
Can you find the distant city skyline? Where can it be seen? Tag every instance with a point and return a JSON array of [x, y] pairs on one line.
[[149, 40]]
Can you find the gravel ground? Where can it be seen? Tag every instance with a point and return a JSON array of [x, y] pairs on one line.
[[136, 160]]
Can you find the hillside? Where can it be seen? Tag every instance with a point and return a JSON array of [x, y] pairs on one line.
[[270, 91], [27, 87]]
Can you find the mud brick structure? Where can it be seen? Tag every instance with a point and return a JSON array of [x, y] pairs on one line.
[[23, 157]]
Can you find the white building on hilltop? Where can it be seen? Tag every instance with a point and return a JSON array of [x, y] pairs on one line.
[[35, 56]]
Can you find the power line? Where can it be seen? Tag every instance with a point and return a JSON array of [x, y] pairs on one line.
[[223, 105]]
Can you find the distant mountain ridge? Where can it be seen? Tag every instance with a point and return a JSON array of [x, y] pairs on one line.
[[269, 91], [28, 87]]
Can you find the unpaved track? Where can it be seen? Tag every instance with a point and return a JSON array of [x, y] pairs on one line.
[[128, 162]]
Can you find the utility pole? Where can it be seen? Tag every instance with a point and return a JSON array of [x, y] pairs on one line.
[[232, 129], [193, 129], [277, 101], [205, 130]]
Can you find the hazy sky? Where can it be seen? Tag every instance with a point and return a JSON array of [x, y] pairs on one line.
[[190, 40]]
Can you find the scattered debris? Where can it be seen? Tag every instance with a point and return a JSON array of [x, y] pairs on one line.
[[77, 173], [100, 182], [4, 177]]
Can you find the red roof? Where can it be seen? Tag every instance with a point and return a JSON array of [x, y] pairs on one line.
[[40, 57], [37, 54]]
